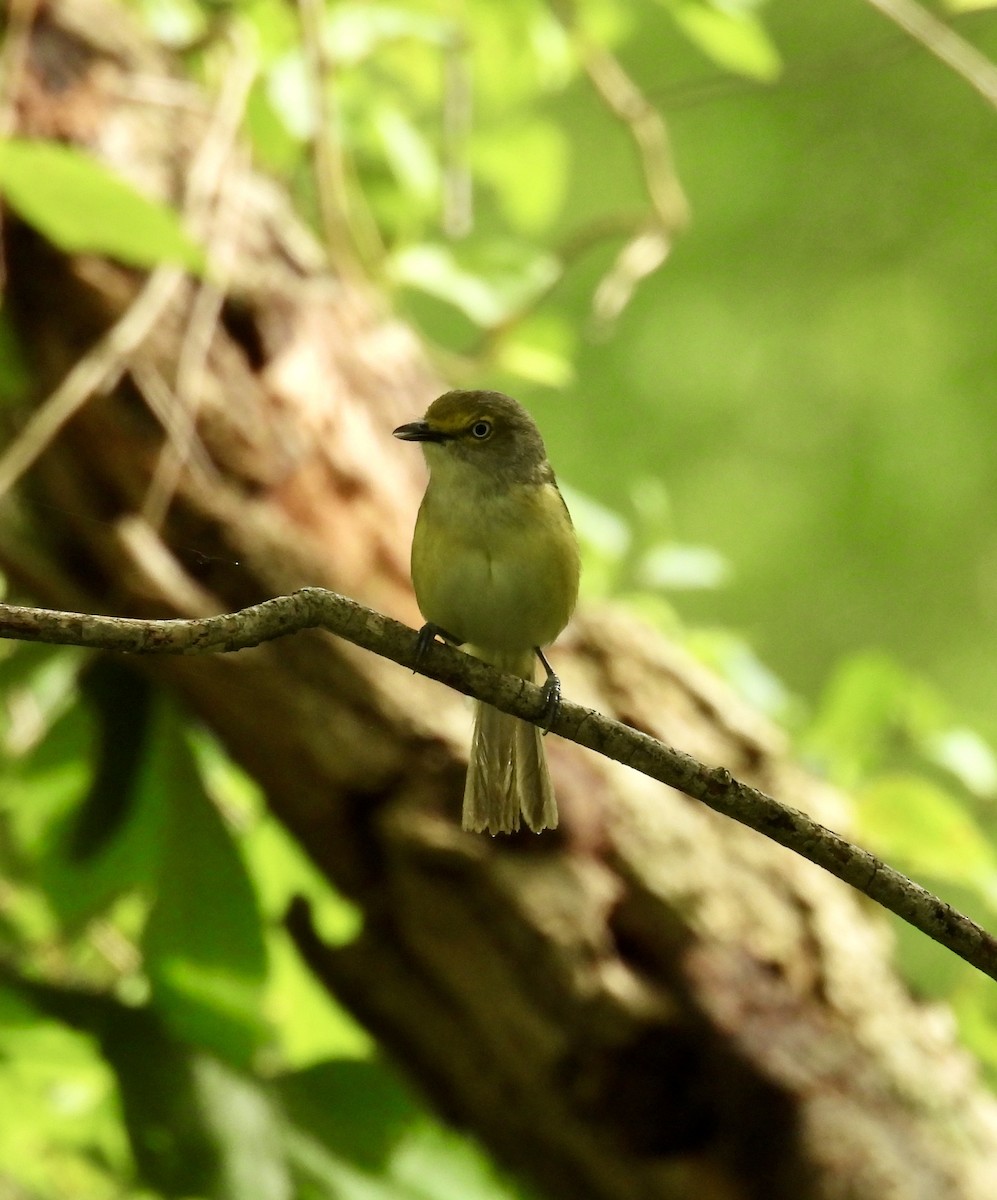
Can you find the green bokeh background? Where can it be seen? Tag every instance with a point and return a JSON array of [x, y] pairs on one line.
[[812, 372]]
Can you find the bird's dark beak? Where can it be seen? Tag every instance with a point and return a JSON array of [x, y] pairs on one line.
[[419, 431]]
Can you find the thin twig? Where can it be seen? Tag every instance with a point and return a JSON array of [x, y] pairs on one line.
[[645, 124], [944, 43], [89, 374], [220, 221], [458, 100], [104, 363], [313, 608], [349, 233]]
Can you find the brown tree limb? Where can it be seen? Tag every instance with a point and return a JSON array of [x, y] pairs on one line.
[[317, 608]]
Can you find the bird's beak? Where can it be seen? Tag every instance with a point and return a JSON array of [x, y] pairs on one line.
[[419, 431]]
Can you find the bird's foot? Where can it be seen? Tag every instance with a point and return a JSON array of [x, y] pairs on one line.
[[427, 635], [551, 694]]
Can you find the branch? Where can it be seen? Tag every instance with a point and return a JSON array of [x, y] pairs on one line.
[[316, 608], [941, 40]]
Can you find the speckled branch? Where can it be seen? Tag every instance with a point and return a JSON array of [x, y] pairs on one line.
[[316, 608]]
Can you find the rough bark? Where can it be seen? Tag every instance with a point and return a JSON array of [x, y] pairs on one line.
[[650, 1003]]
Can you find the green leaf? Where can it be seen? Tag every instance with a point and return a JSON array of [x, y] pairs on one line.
[[358, 30], [357, 1109], [911, 821], [520, 358], [356, 1131], [679, 567], [968, 757], [247, 1131], [60, 1134], [83, 207], [537, 151], [59, 805], [440, 1164], [409, 154], [733, 38], [487, 283], [197, 1127], [871, 712], [204, 945], [309, 1025]]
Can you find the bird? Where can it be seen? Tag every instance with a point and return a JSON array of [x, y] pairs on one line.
[[495, 568]]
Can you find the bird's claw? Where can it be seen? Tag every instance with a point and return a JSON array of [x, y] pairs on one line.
[[551, 694], [427, 635], [552, 702]]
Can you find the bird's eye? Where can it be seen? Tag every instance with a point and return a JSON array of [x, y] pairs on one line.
[[481, 430]]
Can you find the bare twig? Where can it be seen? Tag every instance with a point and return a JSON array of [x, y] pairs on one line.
[[944, 43], [646, 126], [349, 233], [313, 608], [220, 228], [104, 363], [100, 365], [458, 182]]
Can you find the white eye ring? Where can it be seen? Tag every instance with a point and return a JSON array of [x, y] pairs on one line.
[[481, 430]]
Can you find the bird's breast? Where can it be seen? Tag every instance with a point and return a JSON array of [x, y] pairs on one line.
[[498, 570]]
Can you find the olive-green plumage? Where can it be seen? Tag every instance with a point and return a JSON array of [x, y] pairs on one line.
[[495, 565]]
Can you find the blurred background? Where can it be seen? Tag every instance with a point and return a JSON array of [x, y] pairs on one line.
[[739, 260]]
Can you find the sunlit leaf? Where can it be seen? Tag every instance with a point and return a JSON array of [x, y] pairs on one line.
[[538, 151], [535, 364], [308, 1024], [409, 153], [734, 38], [83, 207], [679, 567], [276, 147], [175, 22], [968, 757], [484, 295], [248, 1132], [356, 30], [290, 96], [441, 1164]]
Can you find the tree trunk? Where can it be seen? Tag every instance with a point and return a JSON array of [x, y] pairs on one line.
[[651, 1002]]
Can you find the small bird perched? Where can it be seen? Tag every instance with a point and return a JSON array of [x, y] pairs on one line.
[[495, 567]]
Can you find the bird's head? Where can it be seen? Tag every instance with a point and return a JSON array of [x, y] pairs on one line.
[[488, 431]]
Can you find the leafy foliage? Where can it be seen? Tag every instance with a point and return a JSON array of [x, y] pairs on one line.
[[157, 1029], [106, 215]]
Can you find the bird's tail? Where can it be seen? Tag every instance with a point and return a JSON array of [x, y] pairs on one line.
[[507, 773]]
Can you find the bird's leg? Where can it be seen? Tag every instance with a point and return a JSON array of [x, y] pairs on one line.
[[552, 693], [427, 635]]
